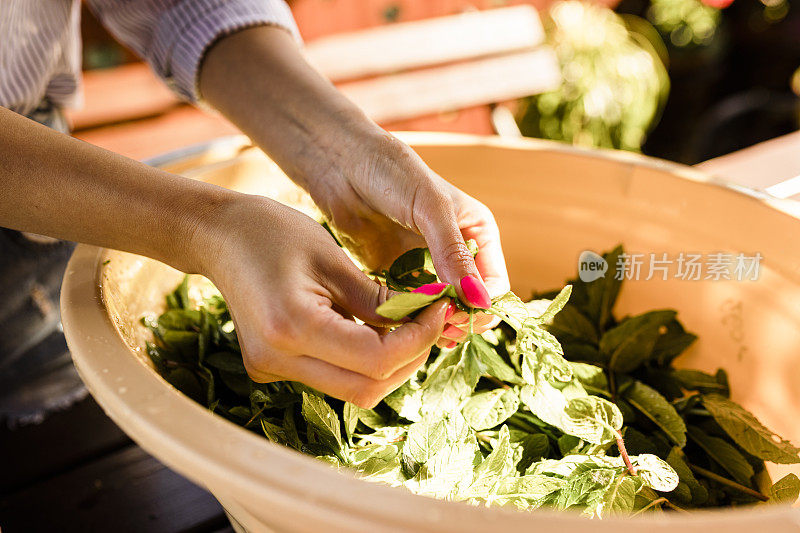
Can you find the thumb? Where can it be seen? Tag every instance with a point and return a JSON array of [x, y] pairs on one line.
[[451, 257], [357, 294]]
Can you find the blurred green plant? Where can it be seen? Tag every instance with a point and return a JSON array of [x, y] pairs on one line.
[[614, 83], [686, 22]]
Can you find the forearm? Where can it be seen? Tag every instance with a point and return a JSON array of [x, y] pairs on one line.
[[259, 80], [55, 185]]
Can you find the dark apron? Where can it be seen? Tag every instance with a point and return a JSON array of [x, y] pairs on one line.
[[36, 371]]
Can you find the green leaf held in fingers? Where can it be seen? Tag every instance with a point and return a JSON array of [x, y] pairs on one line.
[[401, 305]]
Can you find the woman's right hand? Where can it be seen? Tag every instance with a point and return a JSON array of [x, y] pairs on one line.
[[293, 292]]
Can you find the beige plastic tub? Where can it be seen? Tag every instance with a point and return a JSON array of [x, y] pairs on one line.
[[551, 203]]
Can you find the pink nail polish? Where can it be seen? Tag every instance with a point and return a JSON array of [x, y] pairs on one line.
[[475, 292], [431, 288], [450, 310], [453, 332]]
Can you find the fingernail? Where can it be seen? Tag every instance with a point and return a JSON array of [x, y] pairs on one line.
[[475, 292], [453, 331], [431, 288], [450, 310], [451, 345]]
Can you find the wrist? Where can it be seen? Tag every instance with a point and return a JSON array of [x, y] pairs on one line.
[[200, 227]]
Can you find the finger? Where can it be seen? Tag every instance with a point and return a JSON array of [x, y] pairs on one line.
[[435, 217], [354, 291], [446, 343], [454, 333], [491, 264], [459, 317], [478, 222], [358, 348], [485, 321], [351, 386]]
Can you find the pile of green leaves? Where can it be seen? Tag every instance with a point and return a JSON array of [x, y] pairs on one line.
[[683, 416], [503, 418]]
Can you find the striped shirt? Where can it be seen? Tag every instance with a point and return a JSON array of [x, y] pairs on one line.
[[40, 47]]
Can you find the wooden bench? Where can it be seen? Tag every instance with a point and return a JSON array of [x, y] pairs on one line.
[[395, 73]]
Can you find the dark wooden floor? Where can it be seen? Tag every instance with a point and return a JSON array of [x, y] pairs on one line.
[[77, 471]]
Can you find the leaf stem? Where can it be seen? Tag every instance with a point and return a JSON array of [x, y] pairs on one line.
[[624, 454], [727, 482], [255, 415], [485, 438], [496, 381], [612, 384], [674, 507], [653, 503]]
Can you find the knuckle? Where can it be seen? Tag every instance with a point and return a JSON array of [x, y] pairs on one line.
[[260, 366], [380, 368], [438, 198], [457, 253], [279, 331]]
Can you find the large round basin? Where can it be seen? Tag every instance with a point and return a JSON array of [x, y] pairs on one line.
[[551, 202]]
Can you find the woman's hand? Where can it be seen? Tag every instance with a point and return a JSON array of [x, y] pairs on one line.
[[293, 292], [383, 200], [377, 192]]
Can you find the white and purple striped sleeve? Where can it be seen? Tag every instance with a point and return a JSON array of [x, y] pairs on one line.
[[173, 35]]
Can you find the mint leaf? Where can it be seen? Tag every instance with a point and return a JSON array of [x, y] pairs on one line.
[[671, 344], [697, 492], [556, 305], [590, 376], [618, 498], [350, 419], [785, 490], [424, 439], [414, 268], [748, 432], [447, 383], [700, 381], [401, 305], [655, 472], [406, 401], [652, 405], [724, 454], [323, 422], [492, 362], [631, 343], [599, 296], [488, 409], [511, 309], [572, 325], [525, 492]]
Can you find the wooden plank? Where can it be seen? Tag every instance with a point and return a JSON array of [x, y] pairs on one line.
[[475, 120], [762, 166], [442, 89], [145, 138], [127, 491], [318, 18], [121, 93], [433, 41], [62, 441]]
